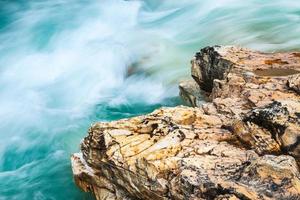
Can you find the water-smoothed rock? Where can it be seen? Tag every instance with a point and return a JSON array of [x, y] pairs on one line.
[[190, 92], [243, 143]]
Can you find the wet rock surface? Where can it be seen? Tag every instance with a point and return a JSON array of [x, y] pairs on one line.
[[242, 143]]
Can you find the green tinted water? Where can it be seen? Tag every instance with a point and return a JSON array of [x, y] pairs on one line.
[[64, 65]]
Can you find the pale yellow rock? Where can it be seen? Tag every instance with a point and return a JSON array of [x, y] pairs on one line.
[[242, 144]]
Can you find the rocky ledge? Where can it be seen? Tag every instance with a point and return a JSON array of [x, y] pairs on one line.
[[241, 143]]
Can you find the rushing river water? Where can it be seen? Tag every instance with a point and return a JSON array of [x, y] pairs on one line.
[[65, 64]]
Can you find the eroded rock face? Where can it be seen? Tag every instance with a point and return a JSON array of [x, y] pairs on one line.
[[242, 144], [274, 128]]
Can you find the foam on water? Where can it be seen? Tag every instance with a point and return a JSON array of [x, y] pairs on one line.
[[65, 64]]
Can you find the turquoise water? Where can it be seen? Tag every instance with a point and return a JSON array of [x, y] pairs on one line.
[[65, 64]]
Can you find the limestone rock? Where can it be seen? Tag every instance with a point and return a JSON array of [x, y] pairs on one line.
[[178, 153], [215, 63], [275, 126], [243, 143]]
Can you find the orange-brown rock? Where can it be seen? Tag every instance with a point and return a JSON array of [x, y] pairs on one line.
[[241, 144]]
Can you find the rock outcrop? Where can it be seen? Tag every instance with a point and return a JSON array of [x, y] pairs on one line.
[[242, 143]]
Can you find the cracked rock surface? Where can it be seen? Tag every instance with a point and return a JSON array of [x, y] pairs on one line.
[[242, 143]]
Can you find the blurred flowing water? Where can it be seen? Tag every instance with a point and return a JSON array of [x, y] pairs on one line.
[[65, 64]]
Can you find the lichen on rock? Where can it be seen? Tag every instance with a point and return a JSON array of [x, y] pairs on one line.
[[242, 143]]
